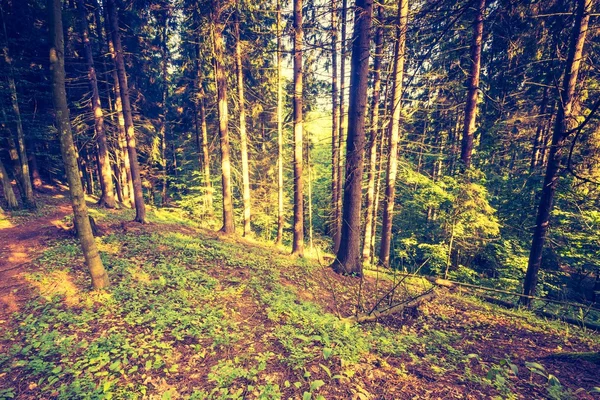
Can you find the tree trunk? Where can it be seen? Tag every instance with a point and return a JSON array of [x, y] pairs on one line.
[[374, 131], [9, 194], [243, 134], [538, 139], [279, 239], [138, 195], [348, 258], [228, 224], [28, 196], [561, 132], [163, 124], [335, 117], [393, 136], [471, 105], [81, 218], [298, 240], [107, 198]]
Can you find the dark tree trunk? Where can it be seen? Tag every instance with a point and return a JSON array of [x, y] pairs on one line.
[[538, 139], [279, 239], [228, 224], [466, 152], [82, 221], [138, 195], [394, 135], [348, 258], [335, 120], [298, 239], [561, 132], [9, 194]]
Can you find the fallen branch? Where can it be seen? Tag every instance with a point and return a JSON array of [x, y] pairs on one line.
[[376, 314]]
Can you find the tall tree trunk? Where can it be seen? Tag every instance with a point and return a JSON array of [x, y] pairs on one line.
[[466, 152], [374, 131], [310, 194], [163, 124], [243, 134], [9, 194], [561, 132], [228, 224], [348, 258], [335, 120], [107, 198], [82, 221], [394, 135], [279, 239], [342, 129], [538, 139], [298, 240], [28, 196], [138, 195]]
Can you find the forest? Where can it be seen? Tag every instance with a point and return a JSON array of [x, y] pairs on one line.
[[303, 199]]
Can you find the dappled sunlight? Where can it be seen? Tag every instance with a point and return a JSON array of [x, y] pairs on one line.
[[56, 283]]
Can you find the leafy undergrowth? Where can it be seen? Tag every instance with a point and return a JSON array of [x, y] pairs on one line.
[[192, 314]]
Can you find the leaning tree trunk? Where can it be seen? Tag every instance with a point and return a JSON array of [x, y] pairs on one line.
[[138, 195], [348, 258], [9, 194], [394, 135], [107, 199], [243, 134], [466, 151], [335, 140], [298, 239], [228, 224], [279, 239], [28, 197], [564, 118], [59, 94], [374, 131]]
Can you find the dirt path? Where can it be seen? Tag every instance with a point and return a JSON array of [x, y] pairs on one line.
[[20, 244]]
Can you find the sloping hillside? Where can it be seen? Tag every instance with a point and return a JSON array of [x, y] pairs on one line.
[[192, 314]]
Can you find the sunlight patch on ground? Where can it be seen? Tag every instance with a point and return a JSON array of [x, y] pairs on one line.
[[56, 283]]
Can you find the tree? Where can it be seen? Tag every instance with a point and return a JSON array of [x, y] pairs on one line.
[[107, 198], [243, 134], [221, 80], [298, 239], [394, 135], [348, 258], [9, 194], [562, 130], [335, 131], [279, 130], [471, 104], [140, 207], [69, 155]]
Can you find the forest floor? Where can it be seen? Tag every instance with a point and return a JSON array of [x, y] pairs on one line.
[[194, 314]]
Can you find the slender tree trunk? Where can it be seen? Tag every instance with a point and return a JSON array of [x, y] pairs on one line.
[[374, 131], [348, 258], [243, 134], [394, 135], [205, 154], [538, 139], [561, 132], [107, 198], [163, 125], [140, 207], [36, 177], [279, 239], [298, 240], [82, 221], [335, 132], [28, 196], [342, 129], [471, 105], [228, 224], [310, 201], [9, 194]]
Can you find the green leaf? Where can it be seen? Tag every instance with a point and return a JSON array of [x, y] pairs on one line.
[[553, 380], [315, 385], [306, 396], [327, 370], [115, 366], [56, 370], [327, 351], [534, 365], [595, 389]]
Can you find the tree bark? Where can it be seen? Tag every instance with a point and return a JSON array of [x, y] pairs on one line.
[[243, 134], [81, 218], [335, 119], [538, 139], [279, 238], [466, 152], [165, 95], [138, 195], [221, 80], [298, 239], [107, 198], [561, 132], [374, 131], [348, 258], [9, 194], [394, 135]]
